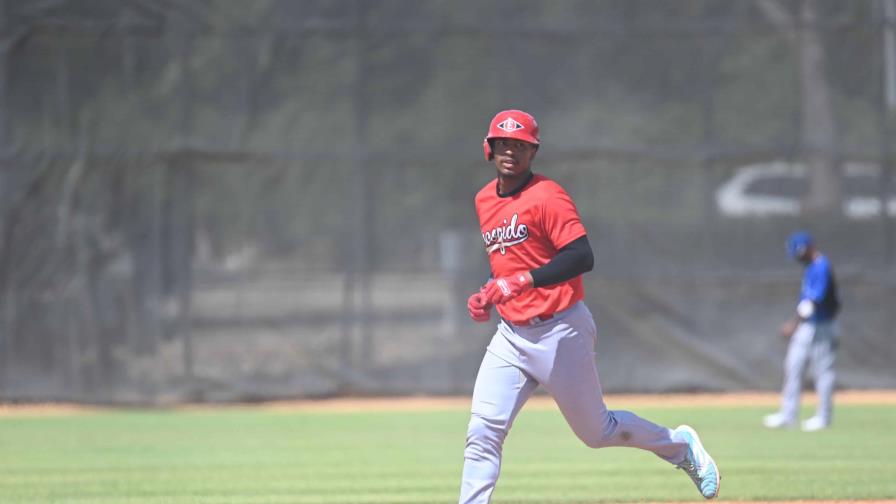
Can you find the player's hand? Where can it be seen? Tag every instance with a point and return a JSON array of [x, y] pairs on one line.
[[786, 330], [478, 307], [503, 289]]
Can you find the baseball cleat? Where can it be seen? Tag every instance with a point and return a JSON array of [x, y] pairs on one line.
[[778, 421], [815, 423], [698, 464]]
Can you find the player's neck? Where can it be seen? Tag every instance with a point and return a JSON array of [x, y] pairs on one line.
[[510, 185]]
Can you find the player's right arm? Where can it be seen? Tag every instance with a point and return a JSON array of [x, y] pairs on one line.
[[804, 310], [789, 326], [478, 307], [815, 288]]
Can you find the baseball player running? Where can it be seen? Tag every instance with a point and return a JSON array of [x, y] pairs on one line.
[[538, 249], [812, 335]]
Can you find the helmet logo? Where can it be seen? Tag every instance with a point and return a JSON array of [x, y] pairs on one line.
[[510, 125]]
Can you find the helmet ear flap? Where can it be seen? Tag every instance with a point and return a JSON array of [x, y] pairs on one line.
[[487, 149]]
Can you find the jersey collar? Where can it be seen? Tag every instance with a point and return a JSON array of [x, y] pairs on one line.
[[517, 190]]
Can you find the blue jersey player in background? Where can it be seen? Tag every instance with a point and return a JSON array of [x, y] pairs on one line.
[[813, 338]]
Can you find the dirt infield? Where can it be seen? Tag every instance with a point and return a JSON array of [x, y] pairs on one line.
[[435, 403], [885, 397]]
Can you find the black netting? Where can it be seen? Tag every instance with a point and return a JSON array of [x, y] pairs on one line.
[[228, 200]]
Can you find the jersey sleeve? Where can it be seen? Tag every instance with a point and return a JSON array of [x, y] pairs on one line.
[[561, 219], [816, 283]]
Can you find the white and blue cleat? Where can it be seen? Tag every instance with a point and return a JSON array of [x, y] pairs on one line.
[[698, 464]]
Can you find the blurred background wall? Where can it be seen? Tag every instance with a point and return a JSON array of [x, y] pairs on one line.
[[225, 200]]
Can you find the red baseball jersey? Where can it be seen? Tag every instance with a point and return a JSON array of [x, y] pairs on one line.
[[524, 231]]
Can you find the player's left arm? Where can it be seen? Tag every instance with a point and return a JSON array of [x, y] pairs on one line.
[[562, 225], [571, 261]]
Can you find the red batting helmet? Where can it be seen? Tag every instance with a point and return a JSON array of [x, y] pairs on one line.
[[511, 124]]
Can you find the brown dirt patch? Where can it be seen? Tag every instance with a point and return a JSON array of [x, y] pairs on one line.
[[431, 403], [734, 399]]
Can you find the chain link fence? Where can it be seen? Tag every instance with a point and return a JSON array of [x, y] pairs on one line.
[[245, 201]]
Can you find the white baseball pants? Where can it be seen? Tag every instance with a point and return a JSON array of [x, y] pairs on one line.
[[813, 342], [558, 354]]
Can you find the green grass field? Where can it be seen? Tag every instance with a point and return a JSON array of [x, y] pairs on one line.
[[263, 456]]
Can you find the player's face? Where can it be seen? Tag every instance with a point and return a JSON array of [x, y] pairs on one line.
[[805, 257], [513, 157]]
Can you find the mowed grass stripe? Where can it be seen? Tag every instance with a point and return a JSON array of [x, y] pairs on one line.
[[259, 455]]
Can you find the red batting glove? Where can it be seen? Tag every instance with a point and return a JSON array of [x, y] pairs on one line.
[[478, 308], [504, 289]]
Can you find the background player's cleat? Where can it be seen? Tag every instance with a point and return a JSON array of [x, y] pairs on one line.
[[815, 423], [698, 464], [778, 421]]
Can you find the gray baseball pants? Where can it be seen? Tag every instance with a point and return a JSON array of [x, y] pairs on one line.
[[559, 355], [815, 343]]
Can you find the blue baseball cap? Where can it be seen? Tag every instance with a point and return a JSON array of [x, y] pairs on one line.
[[797, 243]]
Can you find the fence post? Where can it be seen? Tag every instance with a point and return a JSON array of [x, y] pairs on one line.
[[4, 57], [363, 196], [4, 152], [183, 191], [887, 106], [889, 41]]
